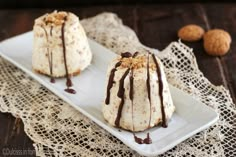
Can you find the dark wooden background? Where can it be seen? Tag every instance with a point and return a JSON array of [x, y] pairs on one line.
[[156, 26]]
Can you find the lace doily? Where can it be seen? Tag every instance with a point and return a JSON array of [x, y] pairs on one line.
[[59, 130]]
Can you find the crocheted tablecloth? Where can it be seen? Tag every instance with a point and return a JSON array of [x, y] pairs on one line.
[[57, 129]]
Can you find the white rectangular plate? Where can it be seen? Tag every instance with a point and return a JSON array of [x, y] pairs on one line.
[[190, 117]]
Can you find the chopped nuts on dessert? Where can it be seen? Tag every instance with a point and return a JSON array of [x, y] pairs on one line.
[[138, 62], [56, 18]]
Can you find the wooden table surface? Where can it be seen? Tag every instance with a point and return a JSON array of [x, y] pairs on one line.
[[156, 26]]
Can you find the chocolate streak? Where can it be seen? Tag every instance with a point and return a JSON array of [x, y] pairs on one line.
[[112, 75], [52, 80], [138, 140], [68, 80], [121, 90], [158, 70], [126, 55], [131, 90], [148, 140], [51, 30], [110, 82], [135, 54], [149, 90], [120, 94]]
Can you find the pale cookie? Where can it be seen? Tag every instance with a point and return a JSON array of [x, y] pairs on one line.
[[217, 42], [191, 33]]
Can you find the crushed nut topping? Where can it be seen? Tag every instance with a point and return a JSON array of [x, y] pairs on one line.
[[136, 63], [56, 18]]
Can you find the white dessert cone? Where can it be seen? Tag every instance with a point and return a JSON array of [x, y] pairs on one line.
[[135, 114], [48, 45]]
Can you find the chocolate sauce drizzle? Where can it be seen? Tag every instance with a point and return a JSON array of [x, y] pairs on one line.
[[126, 55], [51, 30], [131, 90], [120, 94], [149, 90], [50, 59], [135, 54], [138, 140], [52, 80], [131, 93], [68, 80], [158, 70], [147, 140], [112, 75], [111, 81], [121, 90], [131, 79]]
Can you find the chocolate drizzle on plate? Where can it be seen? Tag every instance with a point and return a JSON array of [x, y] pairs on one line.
[[137, 139], [147, 140], [158, 70], [68, 79]]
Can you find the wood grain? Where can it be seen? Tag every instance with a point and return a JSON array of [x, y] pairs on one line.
[[156, 26]]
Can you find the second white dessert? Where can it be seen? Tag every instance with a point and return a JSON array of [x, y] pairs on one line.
[[137, 94]]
